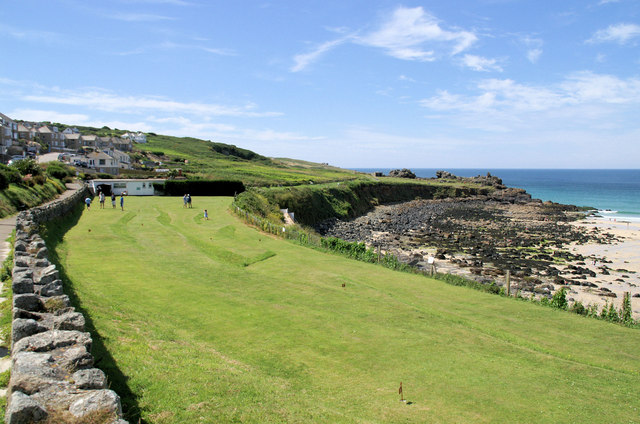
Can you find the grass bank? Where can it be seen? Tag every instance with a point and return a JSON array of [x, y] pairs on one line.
[[18, 197], [212, 321]]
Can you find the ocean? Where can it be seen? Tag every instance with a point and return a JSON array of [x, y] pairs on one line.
[[614, 192]]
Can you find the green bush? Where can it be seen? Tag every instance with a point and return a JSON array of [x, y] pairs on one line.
[[11, 174], [58, 170], [27, 166], [559, 299]]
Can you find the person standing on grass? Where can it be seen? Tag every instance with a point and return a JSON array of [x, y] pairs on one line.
[[88, 202], [189, 200], [101, 200], [122, 201], [184, 199], [113, 200], [206, 215]]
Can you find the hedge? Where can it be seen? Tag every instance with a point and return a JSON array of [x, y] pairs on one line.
[[200, 187]]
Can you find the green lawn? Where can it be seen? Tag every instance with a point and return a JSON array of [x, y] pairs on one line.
[[211, 321]]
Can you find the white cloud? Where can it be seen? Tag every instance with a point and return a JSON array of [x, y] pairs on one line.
[[619, 33], [408, 34], [305, 59], [589, 87], [38, 115], [110, 102], [414, 34], [478, 63], [533, 55], [582, 100]]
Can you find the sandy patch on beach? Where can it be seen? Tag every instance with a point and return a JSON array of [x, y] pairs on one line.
[[624, 269]]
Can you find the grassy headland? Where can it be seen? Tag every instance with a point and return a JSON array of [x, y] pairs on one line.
[[220, 161], [212, 321]]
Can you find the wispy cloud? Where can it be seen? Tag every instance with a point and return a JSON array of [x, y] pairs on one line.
[[212, 50], [305, 59], [110, 102], [503, 104], [172, 2], [30, 35], [618, 33], [414, 34], [482, 64], [39, 115], [534, 48], [139, 17], [407, 34]]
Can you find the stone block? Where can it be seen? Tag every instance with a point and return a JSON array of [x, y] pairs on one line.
[[90, 379], [24, 410]]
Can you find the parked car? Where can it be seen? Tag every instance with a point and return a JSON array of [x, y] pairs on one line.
[[80, 163]]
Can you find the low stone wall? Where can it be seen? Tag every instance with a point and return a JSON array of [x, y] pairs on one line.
[[52, 373]]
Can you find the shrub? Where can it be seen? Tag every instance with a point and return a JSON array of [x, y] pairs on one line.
[[39, 179], [578, 308], [625, 312], [58, 170], [27, 166], [559, 299], [4, 182], [11, 174]]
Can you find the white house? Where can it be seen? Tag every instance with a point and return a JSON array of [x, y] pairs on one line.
[[133, 187], [102, 162], [139, 137]]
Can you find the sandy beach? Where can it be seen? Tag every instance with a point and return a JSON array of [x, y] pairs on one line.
[[624, 269]]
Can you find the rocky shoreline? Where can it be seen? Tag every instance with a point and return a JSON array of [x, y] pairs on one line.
[[481, 237]]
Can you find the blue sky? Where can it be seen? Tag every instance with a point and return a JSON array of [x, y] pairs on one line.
[[376, 83]]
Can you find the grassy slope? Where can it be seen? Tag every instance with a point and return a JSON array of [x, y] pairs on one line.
[[17, 197], [201, 337], [205, 161]]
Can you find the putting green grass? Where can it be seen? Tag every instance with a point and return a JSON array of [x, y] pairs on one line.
[[212, 321]]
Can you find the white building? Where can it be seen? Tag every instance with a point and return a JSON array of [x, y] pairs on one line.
[[130, 187]]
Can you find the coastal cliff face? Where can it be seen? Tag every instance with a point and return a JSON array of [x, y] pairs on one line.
[[314, 204]]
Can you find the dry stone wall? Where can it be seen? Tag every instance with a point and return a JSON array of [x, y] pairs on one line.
[[52, 372]]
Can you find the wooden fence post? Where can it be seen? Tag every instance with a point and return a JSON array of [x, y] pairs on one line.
[[508, 276]]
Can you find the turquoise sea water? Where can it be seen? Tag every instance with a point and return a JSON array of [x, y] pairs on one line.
[[616, 193]]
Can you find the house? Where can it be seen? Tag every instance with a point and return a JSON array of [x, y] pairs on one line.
[[102, 162], [8, 133], [133, 187], [51, 136], [139, 137], [122, 159], [73, 130], [104, 142], [26, 132], [89, 140], [122, 144], [72, 141]]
